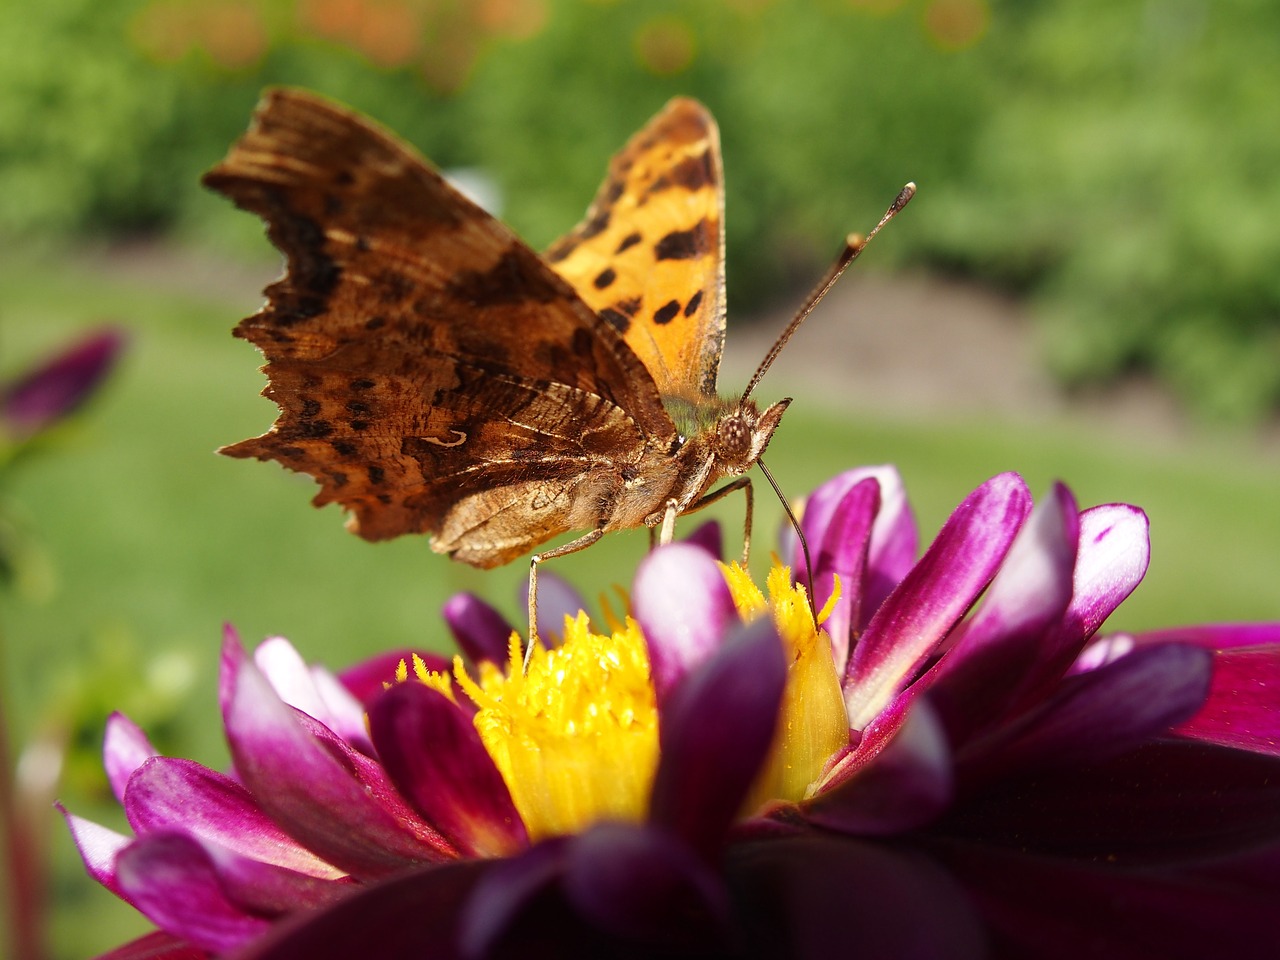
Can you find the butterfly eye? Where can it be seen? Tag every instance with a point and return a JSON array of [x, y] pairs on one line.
[[733, 439]]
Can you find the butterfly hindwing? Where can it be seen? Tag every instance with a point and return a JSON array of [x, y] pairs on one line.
[[419, 352], [649, 256]]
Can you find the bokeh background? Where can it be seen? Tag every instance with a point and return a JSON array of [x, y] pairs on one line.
[[1086, 288]]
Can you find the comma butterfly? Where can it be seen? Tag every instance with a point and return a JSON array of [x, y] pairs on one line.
[[437, 376]]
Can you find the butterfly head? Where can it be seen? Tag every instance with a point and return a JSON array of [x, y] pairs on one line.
[[742, 433]]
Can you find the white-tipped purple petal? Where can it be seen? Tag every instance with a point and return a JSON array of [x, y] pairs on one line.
[[170, 879], [715, 730], [977, 679], [683, 606], [312, 690], [644, 886], [1115, 549], [329, 797], [169, 793], [433, 753], [843, 553], [124, 748], [932, 598], [481, 632], [1101, 713], [557, 599], [908, 784], [99, 847]]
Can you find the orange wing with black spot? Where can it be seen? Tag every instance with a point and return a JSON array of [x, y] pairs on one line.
[[649, 256]]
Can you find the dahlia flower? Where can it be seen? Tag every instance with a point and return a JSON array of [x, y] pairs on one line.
[[941, 757]]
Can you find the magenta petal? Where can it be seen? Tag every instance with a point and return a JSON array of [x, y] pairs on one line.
[[683, 606], [169, 793], [329, 797], [644, 886], [1243, 706], [312, 690], [155, 946], [481, 632], [821, 897], [1101, 713], [715, 731], [1065, 910], [124, 748], [932, 598], [368, 680], [1218, 636], [413, 916], [505, 892], [708, 537], [434, 754], [60, 385], [906, 786], [98, 847], [170, 879], [843, 553], [1167, 801]]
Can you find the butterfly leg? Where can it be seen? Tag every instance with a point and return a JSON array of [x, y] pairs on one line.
[[743, 484], [573, 546]]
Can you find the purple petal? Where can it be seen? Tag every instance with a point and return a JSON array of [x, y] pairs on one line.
[[481, 632], [907, 785], [506, 892], [1169, 801], [1222, 636], [557, 599], [332, 799], [818, 897], [168, 793], [1101, 713], [979, 678], [892, 549], [412, 916], [124, 748], [172, 882], [60, 385], [1064, 910], [683, 606], [644, 886], [843, 553], [368, 680], [155, 946], [931, 599], [709, 538], [715, 730], [98, 847], [434, 754]]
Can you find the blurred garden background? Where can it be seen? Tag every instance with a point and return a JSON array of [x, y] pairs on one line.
[[1086, 288]]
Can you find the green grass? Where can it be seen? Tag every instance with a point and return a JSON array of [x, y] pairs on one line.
[[152, 541]]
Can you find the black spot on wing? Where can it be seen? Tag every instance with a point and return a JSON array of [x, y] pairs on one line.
[[667, 312], [685, 244], [605, 278], [691, 307], [517, 277], [616, 319], [630, 240]]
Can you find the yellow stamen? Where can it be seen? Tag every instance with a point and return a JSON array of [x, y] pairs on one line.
[[576, 737]]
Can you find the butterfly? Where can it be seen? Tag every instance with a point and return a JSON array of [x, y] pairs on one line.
[[438, 376]]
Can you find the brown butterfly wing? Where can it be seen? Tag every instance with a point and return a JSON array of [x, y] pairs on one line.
[[419, 352], [649, 256]]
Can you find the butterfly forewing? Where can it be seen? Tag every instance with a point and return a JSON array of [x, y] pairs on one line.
[[423, 357], [649, 256]]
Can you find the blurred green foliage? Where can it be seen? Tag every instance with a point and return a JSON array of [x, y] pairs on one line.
[[1112, 161]]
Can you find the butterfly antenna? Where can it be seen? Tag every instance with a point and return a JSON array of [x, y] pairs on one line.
[[795, 525], [854, 244]]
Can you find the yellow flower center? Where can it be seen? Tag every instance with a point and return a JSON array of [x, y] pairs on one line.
[[812, 723], [576, 737]]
